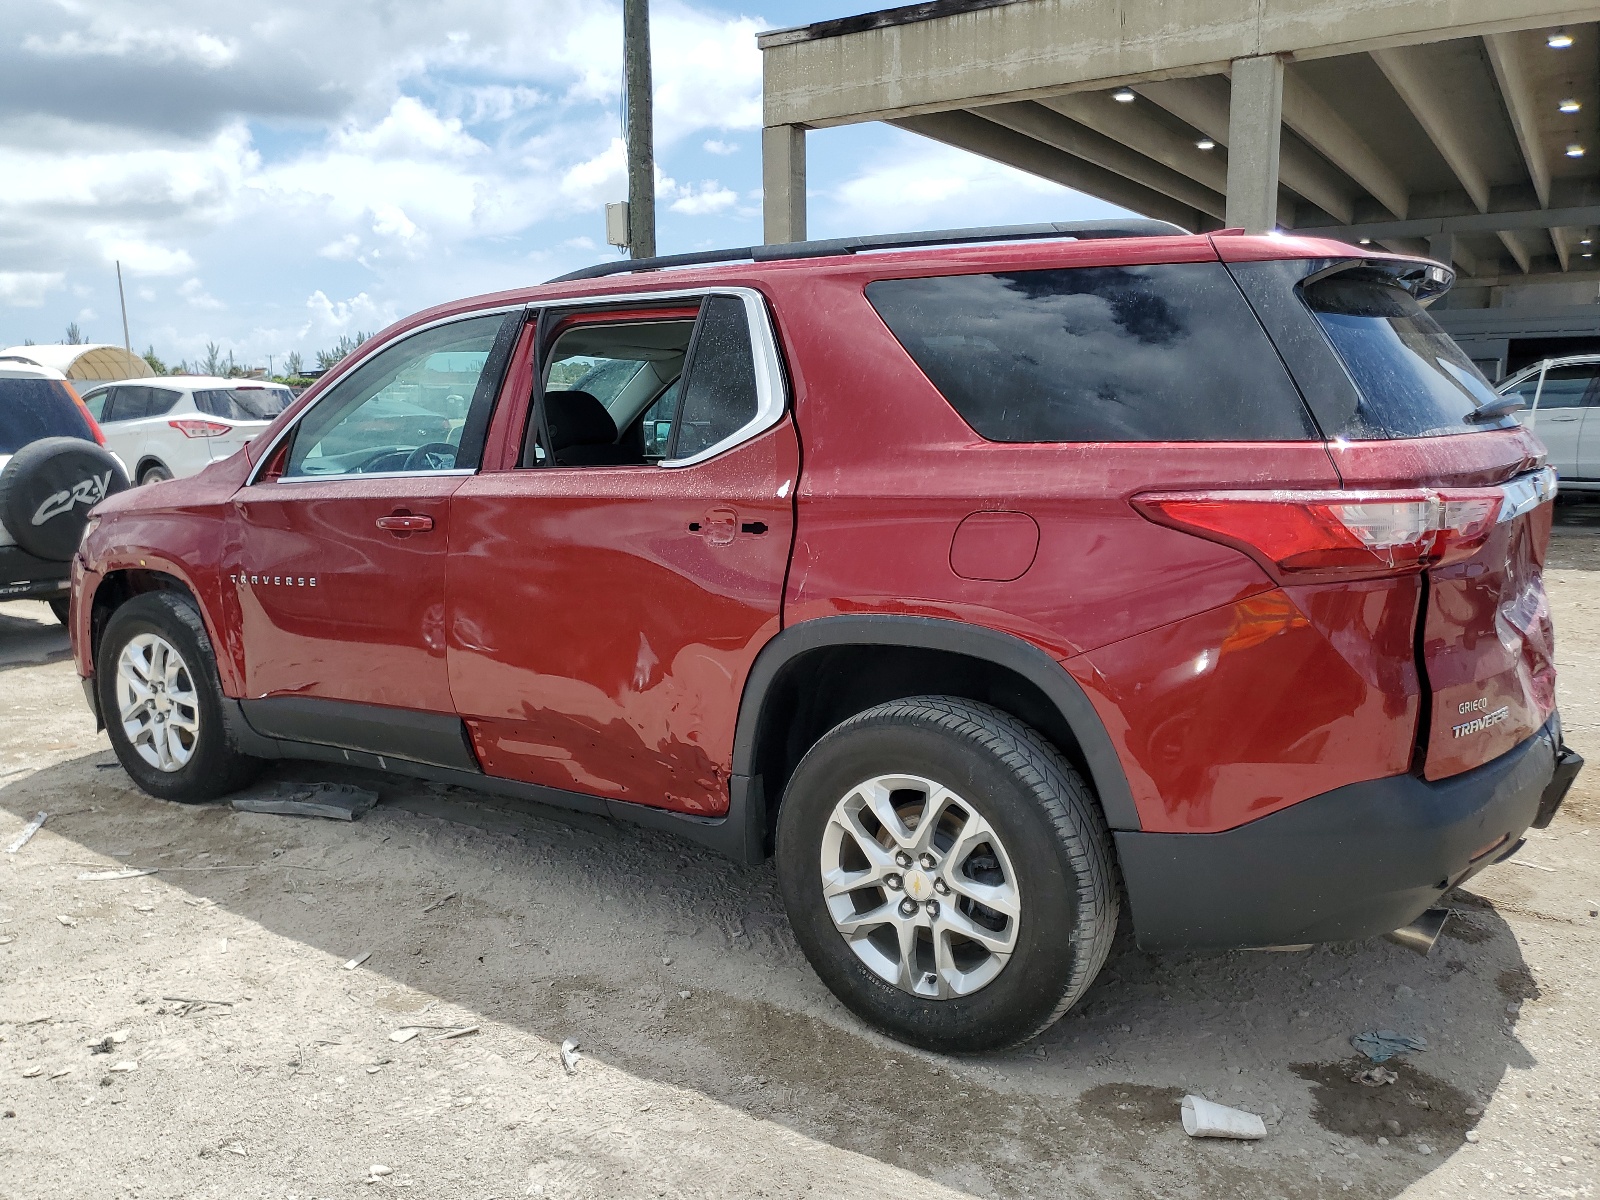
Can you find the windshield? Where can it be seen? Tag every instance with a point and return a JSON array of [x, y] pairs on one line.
[[1413, 379], [31, 409], [243, 404]]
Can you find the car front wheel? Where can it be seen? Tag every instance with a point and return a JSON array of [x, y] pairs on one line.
[[162, 703], [947, 872]]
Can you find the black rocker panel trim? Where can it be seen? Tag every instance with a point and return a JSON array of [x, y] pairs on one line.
[[398, 733], [933, 633], [736, 835]]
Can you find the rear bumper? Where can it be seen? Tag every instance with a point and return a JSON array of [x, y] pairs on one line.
[[1352, 863], [24, 577]]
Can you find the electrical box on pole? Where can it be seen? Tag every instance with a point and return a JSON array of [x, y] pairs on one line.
[[617, 225]]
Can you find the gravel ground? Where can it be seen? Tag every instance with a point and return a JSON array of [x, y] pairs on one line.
[[246, 1059]]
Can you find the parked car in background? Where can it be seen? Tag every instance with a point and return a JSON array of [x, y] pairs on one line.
[[1561, 403], [53, 469], [168, 427]]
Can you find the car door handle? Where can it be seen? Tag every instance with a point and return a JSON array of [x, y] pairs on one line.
[[402, 523]]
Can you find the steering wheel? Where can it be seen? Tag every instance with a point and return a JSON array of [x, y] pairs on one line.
[[431, 456]]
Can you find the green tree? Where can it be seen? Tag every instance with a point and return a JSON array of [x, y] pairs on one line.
[[75, 335], [292, 366], [156, 365], [211, 364]]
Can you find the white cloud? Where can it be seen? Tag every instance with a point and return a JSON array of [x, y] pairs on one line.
[[711, 197], [410, 130], [195, 294], [26, 289], [717, 146], [106, 39]]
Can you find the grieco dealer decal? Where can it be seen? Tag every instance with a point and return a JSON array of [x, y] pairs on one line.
[[88, 492], [275, 580]]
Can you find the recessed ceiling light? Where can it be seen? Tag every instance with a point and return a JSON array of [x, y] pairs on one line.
[[1559, 40], [1123, 95], [1206, 144], [1570, 106], [1574, 151], [1586, 241], [1366, 241]]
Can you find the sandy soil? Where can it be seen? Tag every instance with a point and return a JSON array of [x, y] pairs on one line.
[[714, 1063]]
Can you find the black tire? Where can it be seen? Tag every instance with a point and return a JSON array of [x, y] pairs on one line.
[[62, 607], [1054, 834], [215, 767], [154, 473]]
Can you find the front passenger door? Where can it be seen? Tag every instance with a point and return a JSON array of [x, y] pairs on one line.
[[337, 556]]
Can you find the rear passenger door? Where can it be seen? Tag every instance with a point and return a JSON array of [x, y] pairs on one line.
[[1555, 411], [610, 586]]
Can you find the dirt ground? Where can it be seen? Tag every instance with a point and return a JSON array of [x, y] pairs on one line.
[[247, 1058]]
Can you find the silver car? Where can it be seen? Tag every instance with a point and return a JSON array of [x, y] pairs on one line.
[[1562, 405]]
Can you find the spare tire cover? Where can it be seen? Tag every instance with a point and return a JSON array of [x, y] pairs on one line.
[[47, 490]]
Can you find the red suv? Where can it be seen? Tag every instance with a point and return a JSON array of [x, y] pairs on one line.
[[981, 579]]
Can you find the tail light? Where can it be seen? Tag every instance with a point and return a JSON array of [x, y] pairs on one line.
[[191, 428], [1300, 535], [83, 411]]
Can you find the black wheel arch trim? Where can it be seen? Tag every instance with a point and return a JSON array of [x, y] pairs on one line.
[[936, 633]]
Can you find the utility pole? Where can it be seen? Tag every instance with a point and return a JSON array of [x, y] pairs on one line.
[[126, 343], [640, 128]]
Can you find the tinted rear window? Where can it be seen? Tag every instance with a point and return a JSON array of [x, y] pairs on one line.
[[1413, 380], [243, 404], [1099, 354], [31, 409]]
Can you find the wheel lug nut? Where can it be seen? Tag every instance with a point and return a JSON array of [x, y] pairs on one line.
[[908, 907], [941, 887], [928, 862], [893, 883], [933, 908], [902, 859]]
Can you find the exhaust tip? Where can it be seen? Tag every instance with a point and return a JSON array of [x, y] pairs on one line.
[[1422, 934]]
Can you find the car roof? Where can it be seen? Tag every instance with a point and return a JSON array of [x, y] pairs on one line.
[[185, 382], [21, 368], [1565, 360]]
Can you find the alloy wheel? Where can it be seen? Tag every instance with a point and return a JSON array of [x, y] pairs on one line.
[[920, 887], [157, 702]]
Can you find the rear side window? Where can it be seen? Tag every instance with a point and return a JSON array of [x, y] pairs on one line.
[[1412, 379], [719, 389], [243, 404], [31, 409], [1564, 387], [1100, 354]]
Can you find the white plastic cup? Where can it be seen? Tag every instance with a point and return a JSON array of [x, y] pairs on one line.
[[1201, 1118]]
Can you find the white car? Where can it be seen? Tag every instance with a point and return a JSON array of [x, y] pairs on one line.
[[1561, 399], [169, 426]]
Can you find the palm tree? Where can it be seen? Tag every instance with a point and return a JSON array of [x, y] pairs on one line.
[[74, 335]]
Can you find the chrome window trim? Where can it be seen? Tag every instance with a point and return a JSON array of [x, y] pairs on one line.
[[266, 455], [377, 475], [771, 396]]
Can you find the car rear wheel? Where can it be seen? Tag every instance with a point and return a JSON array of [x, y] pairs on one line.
[[154, 473], [62, 607], [947, 872], [157, 681]]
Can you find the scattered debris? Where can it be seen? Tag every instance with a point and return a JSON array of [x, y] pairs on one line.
[[377, 1171], [66, 920], [1472, 1136], [7, 939], [405, 1034], [236, 1148], [33, 1072], [683, 995], [119, 873], [570, 1056], [60, 1073], [441, 901], [1375, 1076], [1202, 1118], [190, 1004], [1384, 1044], [357, 961], [464, 1031], [1522, 862], [108, 1043], [126, 1065], [28, 830], [337, 801]]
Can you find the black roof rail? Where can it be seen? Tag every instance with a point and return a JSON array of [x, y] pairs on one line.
[[884, 241]]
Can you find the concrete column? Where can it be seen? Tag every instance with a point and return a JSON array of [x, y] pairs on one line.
[[1255, 115], [1442, 248], [783, 183]]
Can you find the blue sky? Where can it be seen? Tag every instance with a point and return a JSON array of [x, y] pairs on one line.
[[274, 175]]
